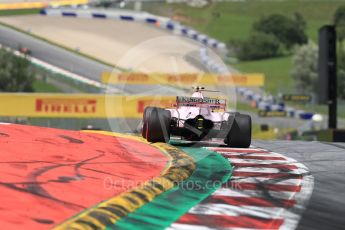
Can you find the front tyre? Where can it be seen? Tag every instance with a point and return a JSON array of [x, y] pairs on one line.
[[156, 125], [240, 134]]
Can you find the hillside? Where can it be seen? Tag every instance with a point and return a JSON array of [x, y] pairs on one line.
[[233, 20]]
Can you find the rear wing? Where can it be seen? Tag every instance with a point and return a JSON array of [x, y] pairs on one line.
[[213, 103]]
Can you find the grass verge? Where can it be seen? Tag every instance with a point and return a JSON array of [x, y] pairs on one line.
[[19, 12], [233, 20], [276, 70], [44, 87]]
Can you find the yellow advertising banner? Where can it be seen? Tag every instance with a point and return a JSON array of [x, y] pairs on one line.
[[188, 79], [39, 4], [78, 105]]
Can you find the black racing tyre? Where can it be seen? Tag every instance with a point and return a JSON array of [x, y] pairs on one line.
[[147, 111], [156, 126], [240, 134]]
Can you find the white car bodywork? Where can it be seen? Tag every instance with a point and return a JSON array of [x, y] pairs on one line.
[[183, 113]]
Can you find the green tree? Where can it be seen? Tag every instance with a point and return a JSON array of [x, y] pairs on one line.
[[339, 22], [288, 31], [305, 68], [258, 46], [15, 73], [300, 22]]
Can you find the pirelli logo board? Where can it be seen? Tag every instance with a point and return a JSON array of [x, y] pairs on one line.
[[78, 105], [206, 79]]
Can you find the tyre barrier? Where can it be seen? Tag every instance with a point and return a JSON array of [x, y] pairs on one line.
[[269, 105], [250, 96], [209, 63], [142, 17]]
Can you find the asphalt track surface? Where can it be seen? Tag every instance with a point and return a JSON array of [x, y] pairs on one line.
[[52, 54], [326, 162], [72, 62]]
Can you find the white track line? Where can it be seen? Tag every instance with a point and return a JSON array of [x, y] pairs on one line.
[[266, 180], [177, 226], [251, 154], [299, 171], [251, 193], [258, 169], [231, 210], [236, 160], [221, 149]]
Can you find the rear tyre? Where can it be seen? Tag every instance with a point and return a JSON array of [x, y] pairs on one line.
[[146, 114], [156, 127], [240, 134]]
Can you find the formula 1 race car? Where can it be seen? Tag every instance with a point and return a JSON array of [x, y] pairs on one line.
[[197, 118]]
